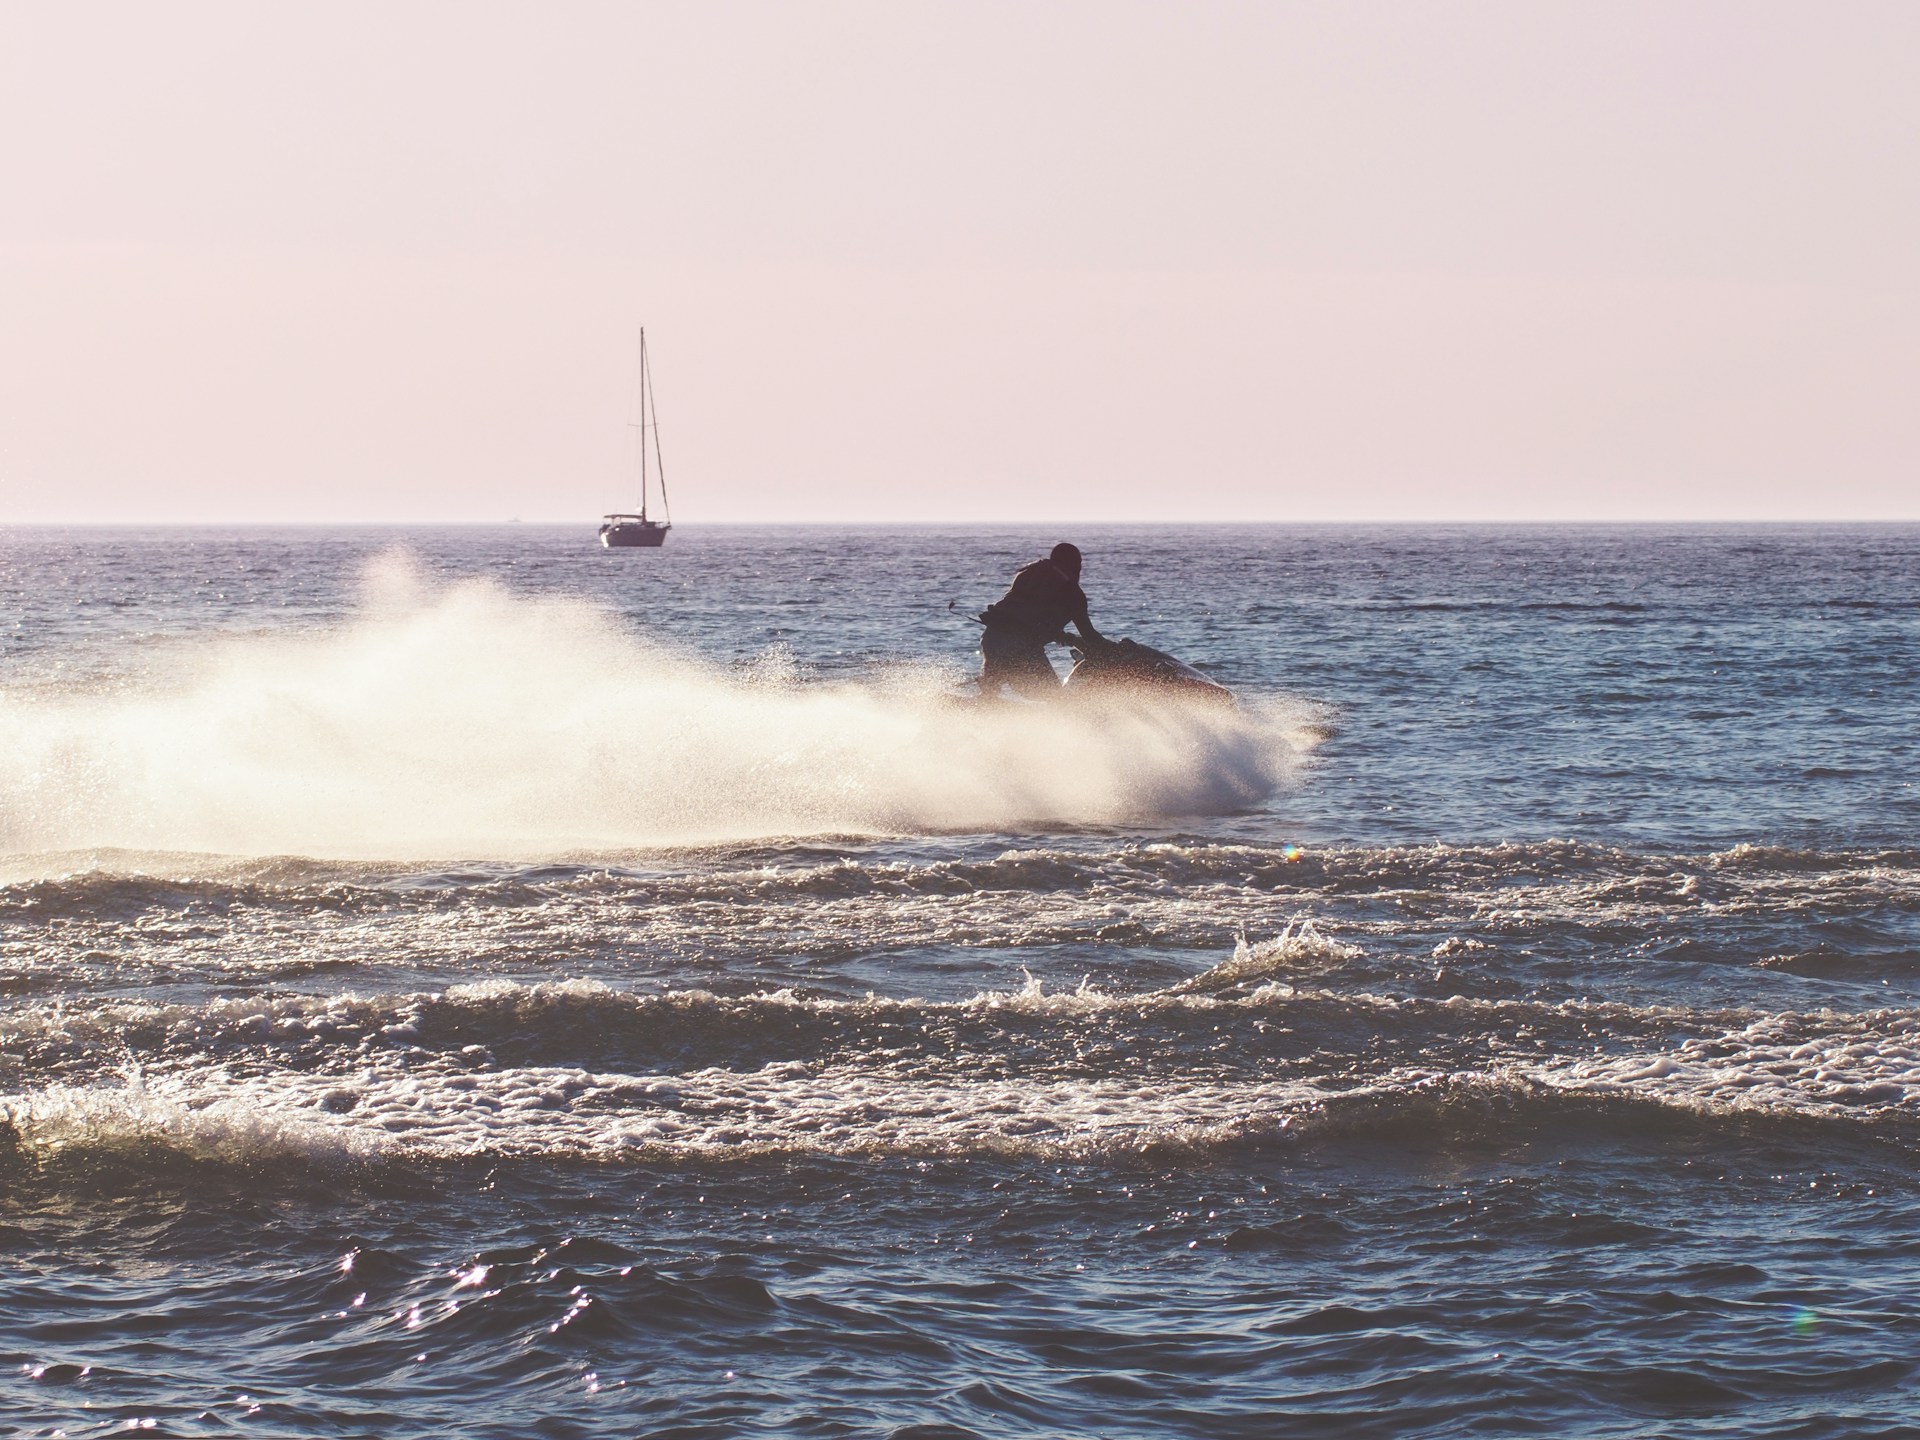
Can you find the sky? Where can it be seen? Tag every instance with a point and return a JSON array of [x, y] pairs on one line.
[[1056, 260]]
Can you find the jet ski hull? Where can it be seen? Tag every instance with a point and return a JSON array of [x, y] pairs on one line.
[[1125, 668]]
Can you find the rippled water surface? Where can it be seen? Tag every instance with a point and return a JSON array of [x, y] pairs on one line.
[[465, 981]]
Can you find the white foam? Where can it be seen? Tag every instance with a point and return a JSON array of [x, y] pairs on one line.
[[207, 1115], [390, 1110], [466, 721], [1779, 1063], [1300, 949], [390, 1099]]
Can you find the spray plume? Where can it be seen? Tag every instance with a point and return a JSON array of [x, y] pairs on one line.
[[464, 721]]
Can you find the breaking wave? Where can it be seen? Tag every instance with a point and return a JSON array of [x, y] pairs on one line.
[[1250, 1052]]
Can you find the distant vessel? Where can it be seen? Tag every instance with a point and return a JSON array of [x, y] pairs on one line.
[[621, 532]]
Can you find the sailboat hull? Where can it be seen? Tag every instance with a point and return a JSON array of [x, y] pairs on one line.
[[624, 534]]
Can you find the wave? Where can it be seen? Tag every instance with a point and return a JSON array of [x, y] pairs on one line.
[[565, 1118], [469, 722], [1405, 605], [1249, 1053], [1546, 919], [125, 884], [1302, 948]]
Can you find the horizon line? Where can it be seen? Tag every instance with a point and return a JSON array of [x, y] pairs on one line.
[[512, 522]]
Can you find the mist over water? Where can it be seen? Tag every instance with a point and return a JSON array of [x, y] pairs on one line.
[[451, 721], [468, 973]]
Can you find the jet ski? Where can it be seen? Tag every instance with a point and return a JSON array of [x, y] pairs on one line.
[[1114, 669]]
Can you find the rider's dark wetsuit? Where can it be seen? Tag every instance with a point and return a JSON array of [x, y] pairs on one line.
[[1042, 601]]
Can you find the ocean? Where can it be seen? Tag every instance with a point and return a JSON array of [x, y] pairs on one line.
[[460, 981]]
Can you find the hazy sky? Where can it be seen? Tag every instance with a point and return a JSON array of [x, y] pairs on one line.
[[1060, 259]]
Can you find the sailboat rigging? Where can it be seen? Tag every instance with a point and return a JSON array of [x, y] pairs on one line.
[[628, 531]]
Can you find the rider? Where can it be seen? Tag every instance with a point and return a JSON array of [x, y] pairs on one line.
[[1043, 599]]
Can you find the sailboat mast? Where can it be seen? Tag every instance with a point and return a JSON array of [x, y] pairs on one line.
[[643, 423], [659, 465]]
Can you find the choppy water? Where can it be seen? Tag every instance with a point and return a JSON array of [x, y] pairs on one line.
[[464, 981]]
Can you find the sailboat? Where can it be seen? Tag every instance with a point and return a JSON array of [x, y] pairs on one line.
[[620, 532]]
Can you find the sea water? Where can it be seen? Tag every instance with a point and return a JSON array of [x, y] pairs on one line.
[[463, 981]]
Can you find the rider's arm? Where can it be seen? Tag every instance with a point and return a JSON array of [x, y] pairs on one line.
[[1083, 624]]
